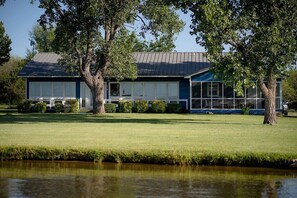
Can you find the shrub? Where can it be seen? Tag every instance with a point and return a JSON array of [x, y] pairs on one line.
[[110, 107], [174, 108], [158, 106], [245, 110], [59, 107], [140, 106], [125, 106], [71, 106], [40, 107], [25, 106]]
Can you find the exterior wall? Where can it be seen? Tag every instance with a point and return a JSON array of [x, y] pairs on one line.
[[169, 89], [211, 95], [51, 90]]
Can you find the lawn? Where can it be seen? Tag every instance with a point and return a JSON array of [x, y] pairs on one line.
[[171, 133]]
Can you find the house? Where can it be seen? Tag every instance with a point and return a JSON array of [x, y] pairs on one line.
[[171, 76]]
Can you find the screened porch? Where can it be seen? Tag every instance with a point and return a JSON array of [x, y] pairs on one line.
[[216, 95]]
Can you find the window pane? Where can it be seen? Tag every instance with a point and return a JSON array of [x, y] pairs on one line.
[[260, 103], [69, 89], [251, 92], [216, 90], [161, 90], [277, 103], [138, 90], [196, 103], [228, 92], [115, 89], [58, 89], [34, 90], [239, 103], [251, 103], [204, 90], [149, 90], [277, 94], [172, 90], [196, 90], [206, 103], [217, 103], [126, 89], [228, 104], [46, 89]]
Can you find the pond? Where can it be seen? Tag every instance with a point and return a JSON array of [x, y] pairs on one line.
[[86, 179]]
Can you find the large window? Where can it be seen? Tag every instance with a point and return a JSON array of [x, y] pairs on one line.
[[145, 90], [48, 90]]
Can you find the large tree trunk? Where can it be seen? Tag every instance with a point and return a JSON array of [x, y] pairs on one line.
[[96, 85], [269, 94], [98, 96]]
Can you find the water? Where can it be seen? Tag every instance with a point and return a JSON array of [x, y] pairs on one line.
[[85, 179]]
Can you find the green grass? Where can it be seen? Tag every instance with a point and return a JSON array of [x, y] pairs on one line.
[[174, 138]]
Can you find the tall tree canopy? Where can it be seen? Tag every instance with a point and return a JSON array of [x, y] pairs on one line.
[[4, 45], [247, 40], [42, 38], [290, 89], [93, 36], [12, 88]]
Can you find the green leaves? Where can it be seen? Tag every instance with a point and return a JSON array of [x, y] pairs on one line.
[[4, 45]]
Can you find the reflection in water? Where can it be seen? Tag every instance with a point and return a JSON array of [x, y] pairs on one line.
[[83, 179]]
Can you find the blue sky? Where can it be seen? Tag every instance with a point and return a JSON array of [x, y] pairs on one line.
[[19, 16]]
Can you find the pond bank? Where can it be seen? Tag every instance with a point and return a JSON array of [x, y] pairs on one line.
[[269, 160]]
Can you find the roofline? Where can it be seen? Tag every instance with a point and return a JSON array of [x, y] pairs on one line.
[[160, 76], [200, 72], [49, 76]]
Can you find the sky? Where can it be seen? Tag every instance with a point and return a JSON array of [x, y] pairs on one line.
[[19, 17]]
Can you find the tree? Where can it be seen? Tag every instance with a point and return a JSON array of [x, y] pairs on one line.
[[42, 38], [93, 36], [247, 40], [290, 89], [4, 45], [12, 88]]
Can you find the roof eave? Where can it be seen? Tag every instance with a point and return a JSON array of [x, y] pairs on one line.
[[200, 72], [49, 76]]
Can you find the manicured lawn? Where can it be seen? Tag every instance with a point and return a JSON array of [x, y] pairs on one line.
[[150, 132]]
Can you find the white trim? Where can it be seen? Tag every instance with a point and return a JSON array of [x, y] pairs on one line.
[[200, 72]]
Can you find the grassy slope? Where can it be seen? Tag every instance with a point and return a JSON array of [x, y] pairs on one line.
[[149, 138], [147, 132]]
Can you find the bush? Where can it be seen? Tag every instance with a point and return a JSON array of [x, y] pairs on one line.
[[140, 106], [245, 110], [110, 107], [40, 107], [174, 108], [158, 106], [71, 106], [24, 107], [59, 107], [125, 106]]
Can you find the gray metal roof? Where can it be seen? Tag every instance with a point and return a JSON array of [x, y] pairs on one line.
[[149, 64]]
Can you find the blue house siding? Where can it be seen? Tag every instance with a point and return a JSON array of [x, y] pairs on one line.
[[77, 88], [184, 92]]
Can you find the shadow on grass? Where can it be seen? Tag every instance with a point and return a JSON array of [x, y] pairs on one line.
[[11, 118]]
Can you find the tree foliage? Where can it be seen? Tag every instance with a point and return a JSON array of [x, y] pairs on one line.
[[4, 45], [93, 36], [12, 88], [42, 38], [247, 40], [290, 89]]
